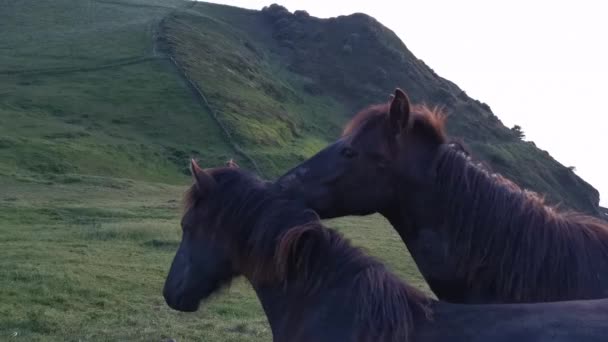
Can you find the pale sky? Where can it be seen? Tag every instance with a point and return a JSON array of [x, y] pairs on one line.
[[540, 64]]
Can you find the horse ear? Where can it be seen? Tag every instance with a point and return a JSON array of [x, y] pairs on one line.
[[232, 164], [203, 180], [399, 111]]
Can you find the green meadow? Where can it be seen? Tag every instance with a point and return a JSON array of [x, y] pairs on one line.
[[96, 130]]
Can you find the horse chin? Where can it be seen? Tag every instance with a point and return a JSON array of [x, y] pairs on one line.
[[190, 306], [183, 303]]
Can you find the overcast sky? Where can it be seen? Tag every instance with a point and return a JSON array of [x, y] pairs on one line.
[[540, 64]]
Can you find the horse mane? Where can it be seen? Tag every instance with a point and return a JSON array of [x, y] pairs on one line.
[[513, 241], [424, 119], [371, 115], [190, 198], [316, 256]]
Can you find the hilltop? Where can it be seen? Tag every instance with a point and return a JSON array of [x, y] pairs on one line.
[[284, 83]]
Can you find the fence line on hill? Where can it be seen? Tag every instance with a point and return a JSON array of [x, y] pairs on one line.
[[199, 92]]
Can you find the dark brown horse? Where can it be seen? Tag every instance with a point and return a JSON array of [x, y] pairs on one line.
[[315, 286], [475, 236]]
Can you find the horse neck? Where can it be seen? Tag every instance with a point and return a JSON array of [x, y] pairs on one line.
[[258, 264], [418, 216], [274, 302], [294, 315], [503, 243], [359, 297], [414, 209], [297, 308], [428, 244], [476, 207], [414, 206]]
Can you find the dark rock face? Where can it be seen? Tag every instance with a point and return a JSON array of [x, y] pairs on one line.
[[358, 60], [604, 213]]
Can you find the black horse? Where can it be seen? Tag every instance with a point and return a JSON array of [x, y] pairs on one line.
[[475, 236], [315, 286]]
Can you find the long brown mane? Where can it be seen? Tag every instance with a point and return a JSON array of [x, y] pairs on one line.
[[509, 239], [527, 250], [316, 256]]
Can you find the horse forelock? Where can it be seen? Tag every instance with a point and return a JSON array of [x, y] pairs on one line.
[[232, 214], [429, 121]]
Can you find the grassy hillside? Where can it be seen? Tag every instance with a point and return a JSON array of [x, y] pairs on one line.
[[96, 129], [82, 91], [102, 103], [284, 83], [260, 102]]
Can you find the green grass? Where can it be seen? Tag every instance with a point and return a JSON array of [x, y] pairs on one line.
[[95, 137], [238, 73], [93, 270], [135, 120]]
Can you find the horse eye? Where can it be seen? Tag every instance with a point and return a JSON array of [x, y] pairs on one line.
[[348, 152]]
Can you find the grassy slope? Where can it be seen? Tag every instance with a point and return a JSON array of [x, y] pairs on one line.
[[224, 50], [66, 111], [284, 83], [95, 130], [94, 271]]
